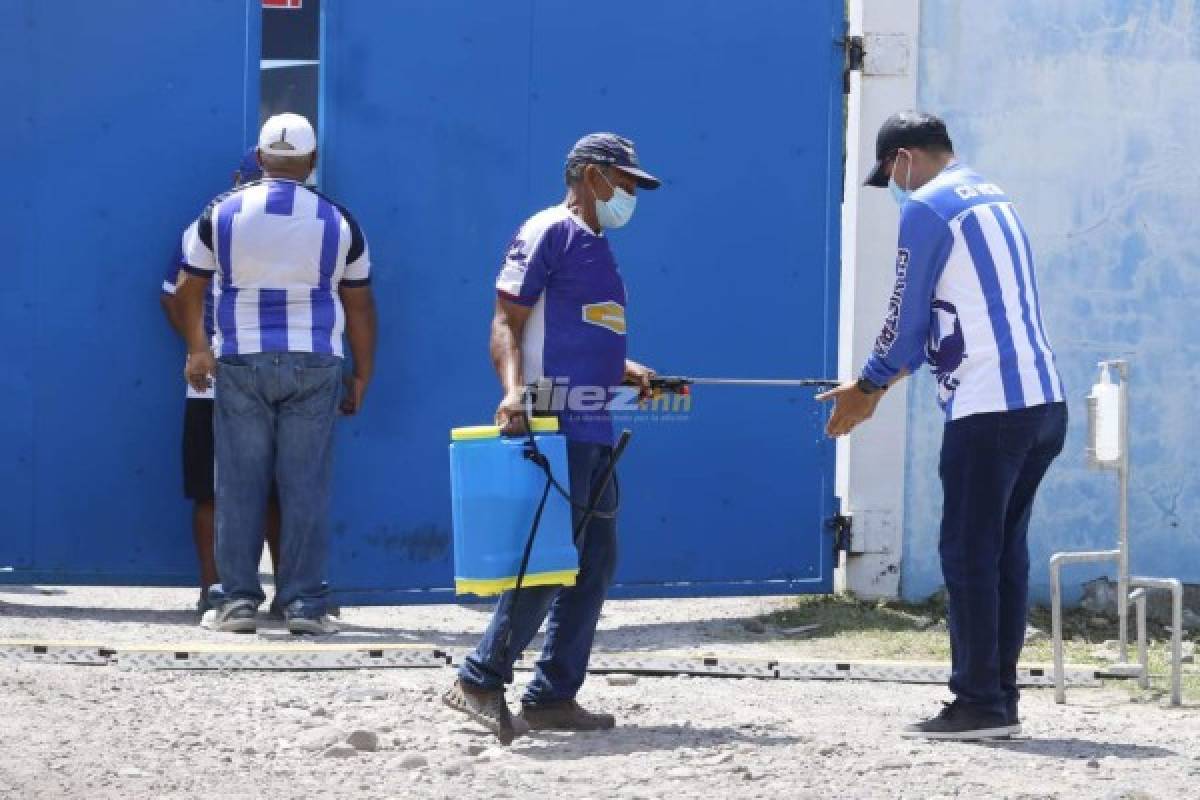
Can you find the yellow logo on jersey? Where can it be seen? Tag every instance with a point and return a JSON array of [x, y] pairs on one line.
[[609, 315]]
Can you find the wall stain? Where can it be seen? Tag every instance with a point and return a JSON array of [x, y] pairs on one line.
[[422, 544]]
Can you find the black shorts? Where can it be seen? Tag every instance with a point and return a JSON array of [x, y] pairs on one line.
[[199, 454]]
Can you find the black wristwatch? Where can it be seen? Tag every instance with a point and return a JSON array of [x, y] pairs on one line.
[[868, 388]]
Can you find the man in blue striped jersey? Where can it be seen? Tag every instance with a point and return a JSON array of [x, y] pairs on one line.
[[292, 274], [966, 299]]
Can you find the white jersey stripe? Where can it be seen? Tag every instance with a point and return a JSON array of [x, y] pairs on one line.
[[249, 338], [1033, 309], [299, 317], [533, 342], [960, 283], [1013, 289], [339, 325]]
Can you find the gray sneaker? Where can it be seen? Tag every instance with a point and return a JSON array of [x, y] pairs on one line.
[[235, 616], [276, 611], [323, 625]]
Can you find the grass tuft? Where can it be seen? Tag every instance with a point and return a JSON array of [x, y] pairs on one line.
[[852, 628]]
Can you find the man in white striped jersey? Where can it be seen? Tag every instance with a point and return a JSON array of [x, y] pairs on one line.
[[292, 274], [966, 299]]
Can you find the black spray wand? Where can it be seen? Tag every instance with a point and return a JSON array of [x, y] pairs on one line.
[[680, 384]]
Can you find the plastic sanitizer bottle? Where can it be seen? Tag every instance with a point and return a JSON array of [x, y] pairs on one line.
[[1106, 431]]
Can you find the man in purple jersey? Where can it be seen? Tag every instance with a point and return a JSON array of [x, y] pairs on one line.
[[560, 315]]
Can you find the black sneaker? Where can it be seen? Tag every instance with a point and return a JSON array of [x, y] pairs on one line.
[[1014, 718], [964, 723]]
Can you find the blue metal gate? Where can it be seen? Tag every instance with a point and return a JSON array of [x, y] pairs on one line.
[[122, 118], [445, 123]]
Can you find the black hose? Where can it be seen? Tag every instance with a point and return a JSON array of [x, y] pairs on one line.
[[610, 475], [589, 512]]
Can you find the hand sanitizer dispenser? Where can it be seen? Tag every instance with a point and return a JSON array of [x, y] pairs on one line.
[[1104, 419]]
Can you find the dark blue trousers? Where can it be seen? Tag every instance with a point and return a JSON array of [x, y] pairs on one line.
[[573, 611], [991, 467]]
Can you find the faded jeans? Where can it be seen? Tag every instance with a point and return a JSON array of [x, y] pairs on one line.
[[273, 422]]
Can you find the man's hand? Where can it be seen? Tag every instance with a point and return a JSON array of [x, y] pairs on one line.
[[199, 369], [352, 400], [639, 375], [851, 406], [510, 414]]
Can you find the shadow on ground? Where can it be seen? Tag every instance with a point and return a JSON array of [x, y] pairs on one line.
[[632, 739], [1079, 748], [145, 616]]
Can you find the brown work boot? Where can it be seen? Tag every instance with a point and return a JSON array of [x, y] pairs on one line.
[[485, 706], [565, 715]]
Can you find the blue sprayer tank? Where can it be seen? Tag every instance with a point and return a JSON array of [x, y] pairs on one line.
[[494, 493]]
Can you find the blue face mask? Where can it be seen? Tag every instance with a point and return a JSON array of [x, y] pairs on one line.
[[616, 211], [901, 196]]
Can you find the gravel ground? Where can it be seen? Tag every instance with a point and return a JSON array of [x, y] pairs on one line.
[[105, 732]]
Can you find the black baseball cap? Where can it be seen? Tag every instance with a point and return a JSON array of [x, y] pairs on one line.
[[613, 150], [906, 129]]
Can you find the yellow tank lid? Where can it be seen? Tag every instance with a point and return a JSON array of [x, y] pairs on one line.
[[540, 425]]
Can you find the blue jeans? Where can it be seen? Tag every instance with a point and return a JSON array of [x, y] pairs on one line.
[[573, 610], [273, 422], [991, 467]]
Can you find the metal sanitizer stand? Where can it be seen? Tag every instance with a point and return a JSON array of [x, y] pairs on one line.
[[1140, 586]]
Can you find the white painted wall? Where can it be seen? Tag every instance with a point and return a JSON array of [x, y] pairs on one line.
[[870, 464]]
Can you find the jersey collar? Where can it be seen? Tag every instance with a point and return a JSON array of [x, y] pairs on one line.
[[579, 221]]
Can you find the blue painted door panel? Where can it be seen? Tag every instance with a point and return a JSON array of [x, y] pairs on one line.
[[446, 124], [16, 312], [127, 116]]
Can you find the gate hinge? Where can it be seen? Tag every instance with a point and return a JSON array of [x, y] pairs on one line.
[[855, 52], [842, 528]]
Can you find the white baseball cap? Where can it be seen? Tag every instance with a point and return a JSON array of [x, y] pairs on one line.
[[287, 135]]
